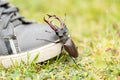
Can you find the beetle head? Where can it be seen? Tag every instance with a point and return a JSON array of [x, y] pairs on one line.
[[61, 31]]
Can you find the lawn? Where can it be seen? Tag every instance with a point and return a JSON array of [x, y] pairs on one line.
[[94, 26]]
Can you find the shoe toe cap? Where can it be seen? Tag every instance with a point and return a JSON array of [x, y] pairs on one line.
[[34, 36]]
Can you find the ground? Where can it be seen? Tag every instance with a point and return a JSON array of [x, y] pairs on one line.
[[94, 26]]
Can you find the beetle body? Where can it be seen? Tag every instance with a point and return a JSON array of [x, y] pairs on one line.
[[62, 33]]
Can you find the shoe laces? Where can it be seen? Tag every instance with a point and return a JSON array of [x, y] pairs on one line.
[[8, 13]]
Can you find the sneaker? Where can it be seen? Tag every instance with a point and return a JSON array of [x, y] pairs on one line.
[[20, 38]]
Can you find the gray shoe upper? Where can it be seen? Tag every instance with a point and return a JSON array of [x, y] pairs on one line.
[[34, 36], [18, 35]]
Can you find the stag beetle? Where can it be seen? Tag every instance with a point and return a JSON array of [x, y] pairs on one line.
[[62, 33]]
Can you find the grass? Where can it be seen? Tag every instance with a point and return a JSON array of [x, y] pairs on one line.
[[95, 28]]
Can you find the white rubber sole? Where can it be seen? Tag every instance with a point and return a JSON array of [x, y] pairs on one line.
[[45, 53]]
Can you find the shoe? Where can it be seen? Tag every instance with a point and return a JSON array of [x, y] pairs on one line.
[[20, 38]]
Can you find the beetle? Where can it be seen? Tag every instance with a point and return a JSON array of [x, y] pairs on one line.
[[62, 33]]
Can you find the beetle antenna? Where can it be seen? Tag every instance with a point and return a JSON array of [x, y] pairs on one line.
[[65, 18], [74, 61]]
